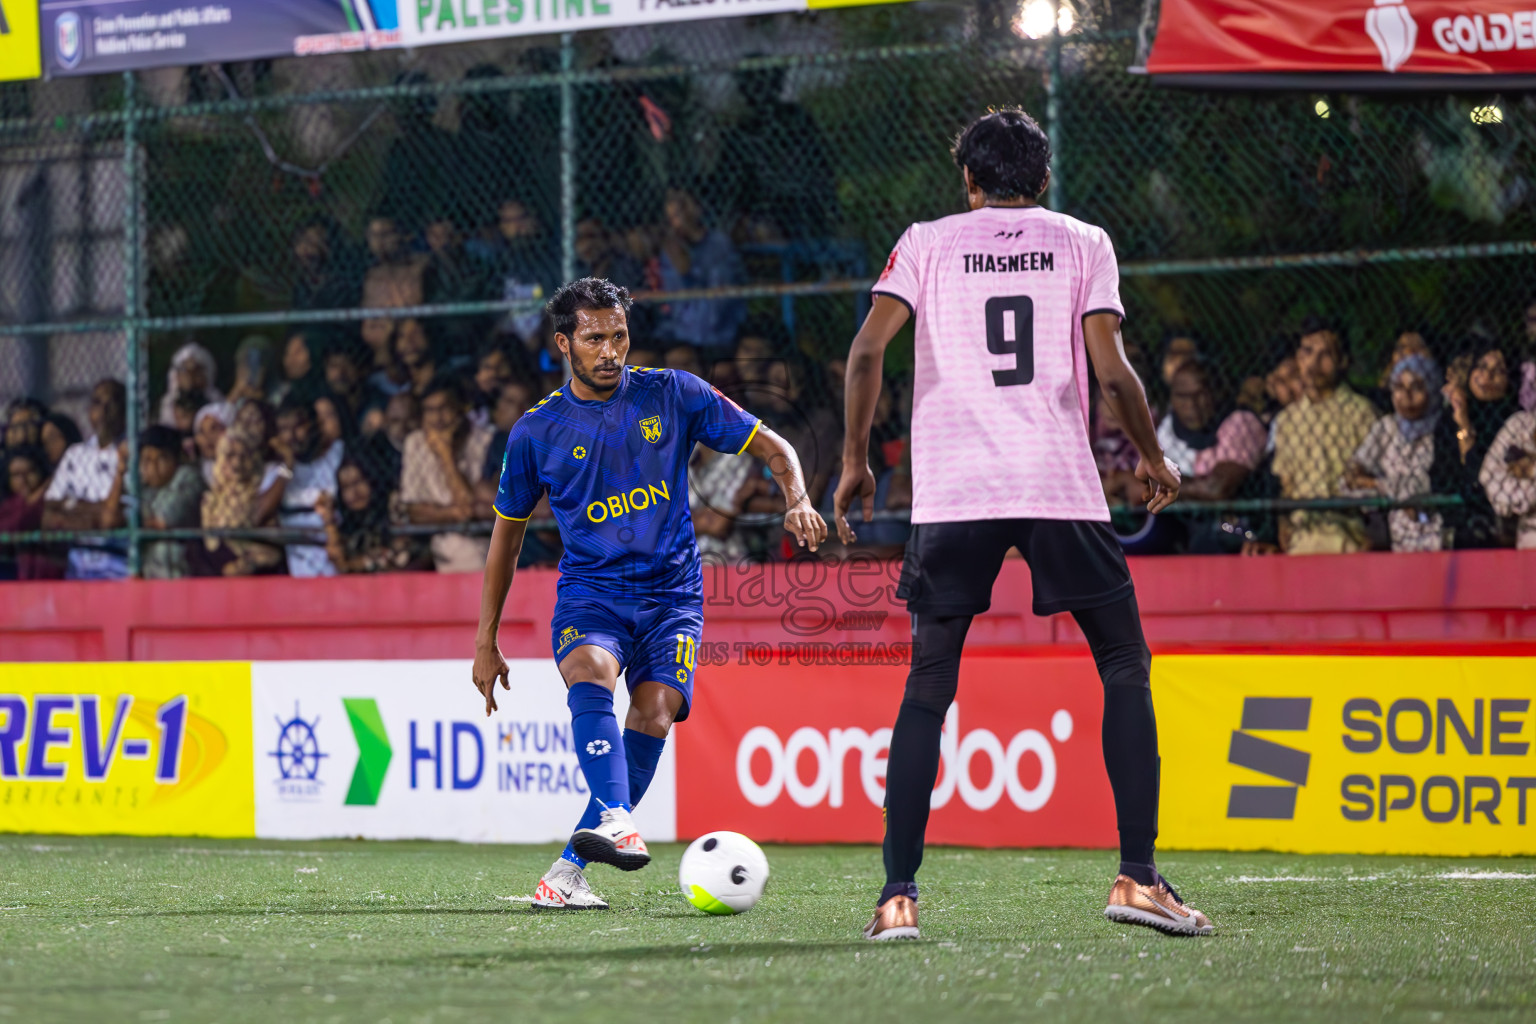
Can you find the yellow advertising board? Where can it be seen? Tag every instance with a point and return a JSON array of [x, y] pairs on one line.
[[131, 749], [21, 54], [1330, 754]]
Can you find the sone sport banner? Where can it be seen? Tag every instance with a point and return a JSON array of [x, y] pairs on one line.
[[1470, 37], [1304, 754], [86, 37]]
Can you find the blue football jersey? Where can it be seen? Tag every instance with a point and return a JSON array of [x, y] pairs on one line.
[[617, 477]]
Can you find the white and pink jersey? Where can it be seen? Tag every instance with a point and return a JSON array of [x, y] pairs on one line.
[[1000, 406]]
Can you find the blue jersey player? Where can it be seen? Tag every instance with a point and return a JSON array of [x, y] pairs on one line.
[[611, 449]]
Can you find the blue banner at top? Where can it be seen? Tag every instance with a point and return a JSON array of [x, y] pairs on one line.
[[88, 37]]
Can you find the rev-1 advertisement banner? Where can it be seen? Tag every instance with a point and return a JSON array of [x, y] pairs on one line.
[[404, 750], [1467, 37], [1348, 754], [88, 37]]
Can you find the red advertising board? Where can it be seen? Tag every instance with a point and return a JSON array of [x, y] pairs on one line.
[[1424, 36], [785, 752]]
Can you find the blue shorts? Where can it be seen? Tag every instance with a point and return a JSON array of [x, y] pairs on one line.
[[655, 641]]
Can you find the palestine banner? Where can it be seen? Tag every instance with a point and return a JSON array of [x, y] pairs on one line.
[[1417, 42]]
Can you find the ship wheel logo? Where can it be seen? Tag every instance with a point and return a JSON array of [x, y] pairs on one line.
[[298, 751]]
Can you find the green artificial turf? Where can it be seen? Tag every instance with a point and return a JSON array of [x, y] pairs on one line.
[[118, 929]]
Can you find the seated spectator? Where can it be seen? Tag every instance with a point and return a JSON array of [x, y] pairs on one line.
[[254, 375], [193, 371], [27, 482], [600, 254], [302, 373], [312, 465], [1215, 453], [524, 260], [454, 274], [492, 371], [812, 429], [210, 425], [1508, 475], [683, 357], [258, 422], [1177, 350], [380, 454], [441, 464], [1410, 341], [184, 414], [1314, 440], [24, 424], [329, 420], [386, 375], [57, 434], [76, 497], [170, 497], [514, 399], [232, 503], [326, 272], [360, 402], [357, 533], [416, 354], [1480, 400], [395, 276], [695, 256], [1395, 458], [755, 349]]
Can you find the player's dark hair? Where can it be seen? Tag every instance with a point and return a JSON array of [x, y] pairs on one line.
[[590, 293], [1007, 153]]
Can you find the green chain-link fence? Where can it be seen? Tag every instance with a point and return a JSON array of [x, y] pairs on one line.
[[337, 232]]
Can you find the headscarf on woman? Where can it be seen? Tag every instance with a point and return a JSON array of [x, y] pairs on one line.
[[190, 353], [1427, 370], [231, 502]]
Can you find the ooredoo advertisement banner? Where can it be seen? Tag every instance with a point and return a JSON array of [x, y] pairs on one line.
[[784, 753], [131, 749], [404, 750], [1465, 37], [1348, 754]]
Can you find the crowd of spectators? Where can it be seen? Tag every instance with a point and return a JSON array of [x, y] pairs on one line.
[[379, 449], [1447, 437]]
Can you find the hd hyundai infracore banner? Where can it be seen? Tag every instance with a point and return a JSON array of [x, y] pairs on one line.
[[1324, 754]]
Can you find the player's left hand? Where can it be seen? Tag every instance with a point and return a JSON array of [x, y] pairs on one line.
[[805, 524], [1160, 482], [857, 483]]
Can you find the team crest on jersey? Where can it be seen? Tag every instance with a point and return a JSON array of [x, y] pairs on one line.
[[570, 635], [890, 265], [651, 427]]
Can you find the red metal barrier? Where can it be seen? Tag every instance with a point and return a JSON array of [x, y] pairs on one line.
[[1469, 597]]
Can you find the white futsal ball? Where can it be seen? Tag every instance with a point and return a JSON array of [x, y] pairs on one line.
[[723, 873]]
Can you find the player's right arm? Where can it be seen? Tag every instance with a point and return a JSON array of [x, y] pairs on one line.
[[866, 359], [500, 566], [516, 496], [1128, 401]]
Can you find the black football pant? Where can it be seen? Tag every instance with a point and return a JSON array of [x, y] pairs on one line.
[[1129, 733]]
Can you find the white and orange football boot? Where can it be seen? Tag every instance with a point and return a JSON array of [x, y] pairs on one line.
[[1154, 906], [564, 887], [614, 841]]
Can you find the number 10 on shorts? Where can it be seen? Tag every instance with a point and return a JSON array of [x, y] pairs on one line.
[[687, 650]]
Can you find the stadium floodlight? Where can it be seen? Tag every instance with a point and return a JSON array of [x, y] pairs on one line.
[[1034, 18]]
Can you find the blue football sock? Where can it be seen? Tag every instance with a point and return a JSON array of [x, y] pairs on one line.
[[642, 752], [599, 747]]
